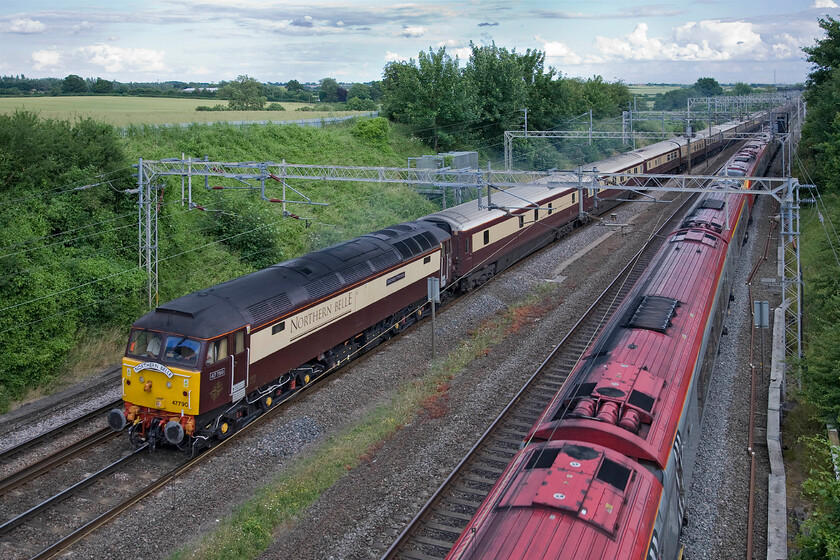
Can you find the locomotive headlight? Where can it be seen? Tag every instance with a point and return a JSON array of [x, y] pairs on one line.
[[168, 384], [141, 379]]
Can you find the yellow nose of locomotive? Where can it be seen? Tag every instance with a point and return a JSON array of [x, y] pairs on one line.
[[154, 385]]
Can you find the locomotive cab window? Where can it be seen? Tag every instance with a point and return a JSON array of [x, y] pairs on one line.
[[145, 343], [181, 350], [239, 342], [217, 350]]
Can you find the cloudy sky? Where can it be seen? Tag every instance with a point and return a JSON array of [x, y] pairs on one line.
[[279, 40]]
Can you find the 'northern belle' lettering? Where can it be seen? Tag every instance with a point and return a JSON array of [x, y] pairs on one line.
[[317, 317]]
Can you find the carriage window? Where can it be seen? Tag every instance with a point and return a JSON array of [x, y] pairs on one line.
[[217, 350], [550, 208], [536, 214], [486, 236], [573, 198], [239, 342], [521, 221]]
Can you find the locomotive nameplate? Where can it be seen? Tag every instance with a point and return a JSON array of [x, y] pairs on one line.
[[320, 316], [154, 366]]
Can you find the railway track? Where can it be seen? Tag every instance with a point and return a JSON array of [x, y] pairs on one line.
[[52, 523], [438, 525], [52, 460], [55, 433]]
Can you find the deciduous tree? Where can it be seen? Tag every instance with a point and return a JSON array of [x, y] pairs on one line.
[[73, 84], [244, 94]]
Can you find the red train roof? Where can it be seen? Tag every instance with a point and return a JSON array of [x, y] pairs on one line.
[[565, 499]]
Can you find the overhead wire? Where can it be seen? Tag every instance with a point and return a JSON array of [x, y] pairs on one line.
[[65, 189]]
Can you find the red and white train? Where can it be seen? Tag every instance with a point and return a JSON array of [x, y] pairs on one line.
[[201, 366], [604, 471]]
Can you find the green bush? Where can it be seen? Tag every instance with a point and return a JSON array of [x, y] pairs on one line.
[[356, 104], [218, 107], [275, 107], [374, 131]]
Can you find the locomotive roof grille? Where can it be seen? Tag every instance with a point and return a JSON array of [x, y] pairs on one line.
[[384, 261], [270, 308], [324, 286], [653, 313], [357, 272]]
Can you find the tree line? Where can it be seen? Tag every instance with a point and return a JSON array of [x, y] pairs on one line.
[[819, 154], [328, 90], [450, 105]]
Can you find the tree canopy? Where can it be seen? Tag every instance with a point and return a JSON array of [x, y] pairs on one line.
[[73, 84], [820, 147], [449, 105], [825, 55], [244, 94]]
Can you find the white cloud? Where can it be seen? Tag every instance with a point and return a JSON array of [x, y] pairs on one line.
[[463, 53], [824, 4], [394, 57], [42, 60], [25, 25], [412, 31], [83, 27], [709, 40], [114, 59], [557, 52], [200, 71]]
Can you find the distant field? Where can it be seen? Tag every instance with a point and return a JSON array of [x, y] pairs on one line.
[[123, 111], [650, 90]]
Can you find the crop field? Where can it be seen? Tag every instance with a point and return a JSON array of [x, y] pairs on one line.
[[124, 111], [650, 90]]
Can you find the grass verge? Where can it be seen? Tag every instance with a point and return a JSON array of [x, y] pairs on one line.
[[249, 530]]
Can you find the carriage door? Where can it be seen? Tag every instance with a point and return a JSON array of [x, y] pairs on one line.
[[239, 364], [445, 262]]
